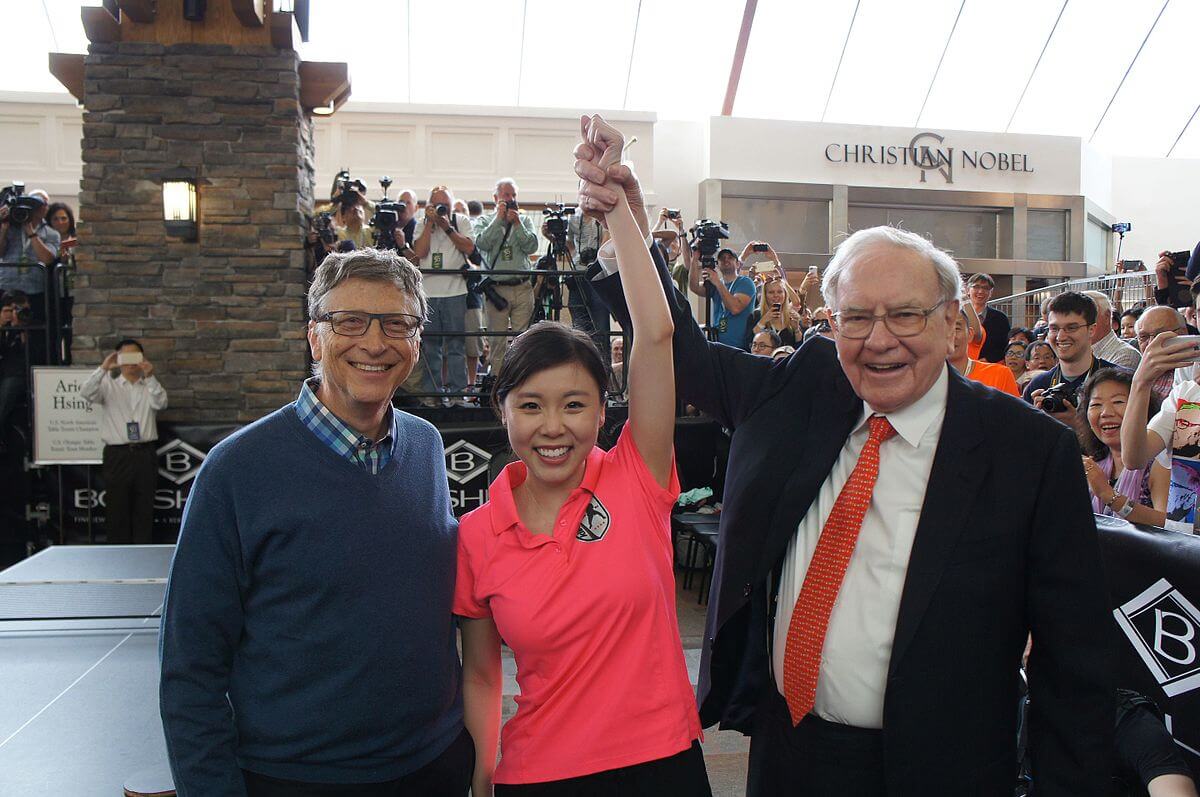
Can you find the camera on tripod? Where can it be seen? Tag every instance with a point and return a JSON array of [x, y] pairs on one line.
[[557, 223], [386, 217], [708, 235], [21, 207]]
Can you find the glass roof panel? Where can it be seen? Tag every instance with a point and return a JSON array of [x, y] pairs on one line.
[[890, 60], [988, 63], [1093, 46], [791, 58]]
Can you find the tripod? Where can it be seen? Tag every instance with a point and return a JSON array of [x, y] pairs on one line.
[[548, 287], [710, 293]]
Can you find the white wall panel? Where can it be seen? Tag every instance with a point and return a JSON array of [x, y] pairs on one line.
[[459, 151]]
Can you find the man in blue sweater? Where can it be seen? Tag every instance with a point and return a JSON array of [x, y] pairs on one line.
[[307, 643]]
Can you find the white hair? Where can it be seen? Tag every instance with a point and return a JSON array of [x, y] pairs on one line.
[[506, 181], [1103, 305], [948, 275]]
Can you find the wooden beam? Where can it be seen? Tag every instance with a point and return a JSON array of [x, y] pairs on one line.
[[142, 11], [68, 68], [323, 82], [100, 26], [739, 56], [249, 12], [284, 33]]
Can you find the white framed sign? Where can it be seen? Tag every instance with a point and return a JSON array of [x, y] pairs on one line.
[[66, 427]]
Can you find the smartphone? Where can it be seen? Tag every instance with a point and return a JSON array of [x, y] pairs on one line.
[[777, 306], [1129, 266], [1191, 340], [764, 268], [129, 358], [761, 248]]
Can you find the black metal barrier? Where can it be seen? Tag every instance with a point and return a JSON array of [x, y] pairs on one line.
[[475, 444]]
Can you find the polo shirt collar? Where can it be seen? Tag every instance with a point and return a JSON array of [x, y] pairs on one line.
[[913, 421], [504, 508]]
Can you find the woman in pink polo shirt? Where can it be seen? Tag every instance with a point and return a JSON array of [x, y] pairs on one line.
[[570, 562]]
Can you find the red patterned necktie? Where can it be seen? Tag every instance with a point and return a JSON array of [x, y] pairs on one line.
[[810, 618]]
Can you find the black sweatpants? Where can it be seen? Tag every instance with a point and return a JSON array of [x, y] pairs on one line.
[[680, 775]]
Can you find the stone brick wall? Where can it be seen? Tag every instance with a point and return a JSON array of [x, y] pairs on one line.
[[221, 318]]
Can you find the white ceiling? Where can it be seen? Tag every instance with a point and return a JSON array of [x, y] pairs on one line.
[[1120, 74]]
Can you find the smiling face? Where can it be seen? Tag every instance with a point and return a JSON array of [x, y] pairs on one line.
[[553, 419], [1070, 334], [775, 294], [1105, 409], [61, 222], [890, 372], [359, 375], [958, 346], [1128, 323], [979, 292]]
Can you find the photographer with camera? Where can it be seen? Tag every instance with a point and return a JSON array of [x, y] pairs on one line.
[[1071, 318], [27, 239], [14, 359], [506, 240], [1174, 274], [584, 235], [129, 403], [444, 242], [732, 296]]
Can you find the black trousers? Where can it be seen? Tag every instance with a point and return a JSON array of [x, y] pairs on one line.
[[680, 775], [813, 759], [130, 473], [448, 775]]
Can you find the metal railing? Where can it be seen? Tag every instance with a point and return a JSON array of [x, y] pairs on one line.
[[1123, 290]]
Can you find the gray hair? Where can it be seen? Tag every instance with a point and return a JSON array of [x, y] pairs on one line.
[[380, 265], [1103, 305], [506, 181], [948, 276]]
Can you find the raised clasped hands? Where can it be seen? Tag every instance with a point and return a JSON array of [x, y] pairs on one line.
[[602, 176]]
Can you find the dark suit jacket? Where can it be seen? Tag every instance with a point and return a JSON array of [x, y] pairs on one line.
[[997, 326], [1006, 545]]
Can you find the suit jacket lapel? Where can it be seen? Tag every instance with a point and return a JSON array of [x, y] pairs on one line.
[[831, 418], [953, 483]]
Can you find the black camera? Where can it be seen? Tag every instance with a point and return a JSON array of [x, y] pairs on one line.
[[386, 218], [21, 207], [673, 214], [442, 210], [346, 191], [486, 287], [707, 235], [1055, 398], [323, 227], [557, 223]]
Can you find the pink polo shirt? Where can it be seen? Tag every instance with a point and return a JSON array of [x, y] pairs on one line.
[[589, 614]]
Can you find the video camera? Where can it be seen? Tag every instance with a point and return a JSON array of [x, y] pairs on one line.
[[344, 194], [386, 217], [707, 235], [323, 227], [21, 207]]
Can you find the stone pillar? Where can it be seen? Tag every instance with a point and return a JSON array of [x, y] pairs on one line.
[[222, 318]]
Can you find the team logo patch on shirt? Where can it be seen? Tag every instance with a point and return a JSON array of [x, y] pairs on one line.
[[595, 522]]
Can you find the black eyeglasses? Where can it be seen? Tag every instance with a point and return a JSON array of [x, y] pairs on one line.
[[354, 323]]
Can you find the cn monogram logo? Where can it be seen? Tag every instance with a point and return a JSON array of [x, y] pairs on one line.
[[178, 462], [1162, 625], [465, 461]]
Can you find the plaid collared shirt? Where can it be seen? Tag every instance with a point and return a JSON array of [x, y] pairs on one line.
[[345, 442]]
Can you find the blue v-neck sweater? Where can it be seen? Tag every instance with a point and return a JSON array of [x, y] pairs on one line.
[[317, 597]]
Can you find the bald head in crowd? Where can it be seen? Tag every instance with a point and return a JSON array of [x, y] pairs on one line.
[[1156, 320]]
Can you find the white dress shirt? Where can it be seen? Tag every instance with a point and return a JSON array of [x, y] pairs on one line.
[[862, 624], [123, 402]]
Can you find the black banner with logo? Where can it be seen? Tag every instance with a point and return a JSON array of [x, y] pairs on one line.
[[1154, 586]]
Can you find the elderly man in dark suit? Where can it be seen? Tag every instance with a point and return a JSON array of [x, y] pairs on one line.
[[874, 601]]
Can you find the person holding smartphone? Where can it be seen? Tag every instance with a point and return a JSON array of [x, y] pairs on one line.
[[129, 402]]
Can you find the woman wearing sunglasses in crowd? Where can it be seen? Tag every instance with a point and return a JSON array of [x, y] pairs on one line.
[[570, 561]]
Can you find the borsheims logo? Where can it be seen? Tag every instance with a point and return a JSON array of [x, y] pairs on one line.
[[465, 461], [1162, 627], [179, 462]]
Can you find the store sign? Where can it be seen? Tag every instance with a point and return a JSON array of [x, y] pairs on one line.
[[927, 153]]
